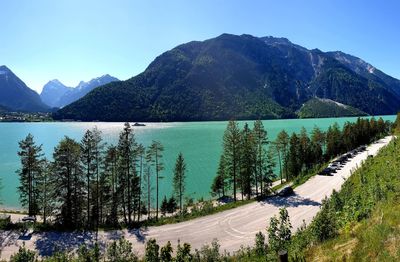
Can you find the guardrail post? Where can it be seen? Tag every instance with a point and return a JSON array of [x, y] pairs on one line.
[[283, 256]]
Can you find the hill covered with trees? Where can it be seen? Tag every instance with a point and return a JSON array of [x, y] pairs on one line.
[[237, 77], [317, 107]]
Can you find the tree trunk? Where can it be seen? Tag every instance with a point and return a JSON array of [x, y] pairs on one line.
[[157, 183]]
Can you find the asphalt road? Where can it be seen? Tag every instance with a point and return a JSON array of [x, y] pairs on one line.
[[233, 228]]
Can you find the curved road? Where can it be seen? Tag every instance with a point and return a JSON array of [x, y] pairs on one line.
[[233, 228]]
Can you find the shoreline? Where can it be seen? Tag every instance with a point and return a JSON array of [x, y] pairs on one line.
[[233, 228], [195, 121]]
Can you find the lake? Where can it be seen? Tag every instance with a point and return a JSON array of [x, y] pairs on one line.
[[200, 143]]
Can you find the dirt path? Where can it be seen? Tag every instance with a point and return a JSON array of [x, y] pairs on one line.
[[233, 228]]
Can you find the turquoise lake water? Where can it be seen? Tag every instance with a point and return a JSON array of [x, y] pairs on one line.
[[200, 143]]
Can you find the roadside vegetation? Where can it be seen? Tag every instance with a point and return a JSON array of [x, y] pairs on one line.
[[249, 158], [90, 185]]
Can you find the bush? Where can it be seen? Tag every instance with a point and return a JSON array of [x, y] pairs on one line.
[[24, 255], [121, 251], [210, 253], [183, 253], [166, 253], [260, 247], [279, 231], [152, 251]]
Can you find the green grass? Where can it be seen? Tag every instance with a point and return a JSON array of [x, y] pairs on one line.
[[365, 215], [205, 210]]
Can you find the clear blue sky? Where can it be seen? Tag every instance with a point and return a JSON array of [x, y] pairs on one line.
[[74, 40]]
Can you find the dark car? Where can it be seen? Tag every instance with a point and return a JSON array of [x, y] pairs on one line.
[[287, 191], [29, 219], [330, 169], [325, 172]]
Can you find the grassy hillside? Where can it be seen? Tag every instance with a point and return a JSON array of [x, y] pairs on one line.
[[366, 214], [317, 107]]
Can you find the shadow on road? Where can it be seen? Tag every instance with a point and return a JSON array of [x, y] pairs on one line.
[[50, 242], [290, 201], [8, 237], [139, 233]]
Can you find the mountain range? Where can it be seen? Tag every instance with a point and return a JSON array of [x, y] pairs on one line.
[[56, 94], [240, 77], [16, 96]]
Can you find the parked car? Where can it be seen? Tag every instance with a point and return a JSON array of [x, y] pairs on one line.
[[287, 191], [29, 219], [325, 172]]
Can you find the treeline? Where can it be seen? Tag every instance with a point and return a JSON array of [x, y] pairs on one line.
[[248, 160], [372, 189], [90, 184]]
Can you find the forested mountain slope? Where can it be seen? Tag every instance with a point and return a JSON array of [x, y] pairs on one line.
[[241, 77]]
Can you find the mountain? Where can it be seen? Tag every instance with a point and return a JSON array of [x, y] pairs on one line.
[[367, 70], [241, 77], [55, 94], [317, 107], [15, 95], [4, 109], [52, 92]]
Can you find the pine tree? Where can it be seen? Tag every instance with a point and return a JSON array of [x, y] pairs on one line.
[[281, 144], [219, 184], [333, 141], [231, 146], [293, 164], [318, 139], [164, 206], [248, 157], [46, 191], [305, 160], [31, 157], [154, 156], [98, 151], [87, 158], [69, 182], [110, 185], [267, 173], [147, 188], [260, 140], [179, 179], [141, 155], [126, 145]]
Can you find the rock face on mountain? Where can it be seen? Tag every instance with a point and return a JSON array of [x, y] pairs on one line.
[[52, 92], [15, 95], [240, 77], [56, 94]]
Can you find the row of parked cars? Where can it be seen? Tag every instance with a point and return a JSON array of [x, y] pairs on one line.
[[338, 163]]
